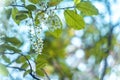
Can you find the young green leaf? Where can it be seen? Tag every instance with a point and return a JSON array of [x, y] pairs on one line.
[[26, 72], [74, 20], [54, 2], [39, 72], [24, 65], [14, 12], [40, 63], [3, 70], [87, 8], [57, 33], [14, 41], [21, 59], [8, 13], [40, 15], [6, 59], [11, 48], [31, 7], [77, 2], [20, 16], [34, 1]]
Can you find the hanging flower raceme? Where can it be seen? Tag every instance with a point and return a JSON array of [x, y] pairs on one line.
[[47, 17], [35, 39]]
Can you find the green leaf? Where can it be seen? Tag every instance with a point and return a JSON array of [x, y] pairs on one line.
[[39, 72], [2, 48], [77, 2], [34, 1], [38, 16], [20, 16], [24, 65], [5, 47], [14, 41], [57, 33], [11, 48], [87, 8], [14, 12], [73, 19], [26, 72], [31, 7], [23, 1], [21, 59], [40, 63], [3, 70], [54, 2], [6, 59], [8, 13]]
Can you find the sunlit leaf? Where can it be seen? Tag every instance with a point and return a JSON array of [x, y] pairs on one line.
[[57, 33], [74, 20], [87, 8], [3, 70], [14, 12], [34, 1], [18, 16], [77, 1], [21, 59]]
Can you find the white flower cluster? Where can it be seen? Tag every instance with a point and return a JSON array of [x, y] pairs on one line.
[[53, 21], [35, 39], [47, 17]]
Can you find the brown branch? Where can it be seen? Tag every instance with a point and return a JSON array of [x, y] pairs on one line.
[[61, 8]]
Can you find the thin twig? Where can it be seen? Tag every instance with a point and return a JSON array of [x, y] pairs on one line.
[[24, 70], [104, 69], [28, 62], [109, 39], [16, 68], [17, 5], [56, 8], [31, 70], [46, 74]]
